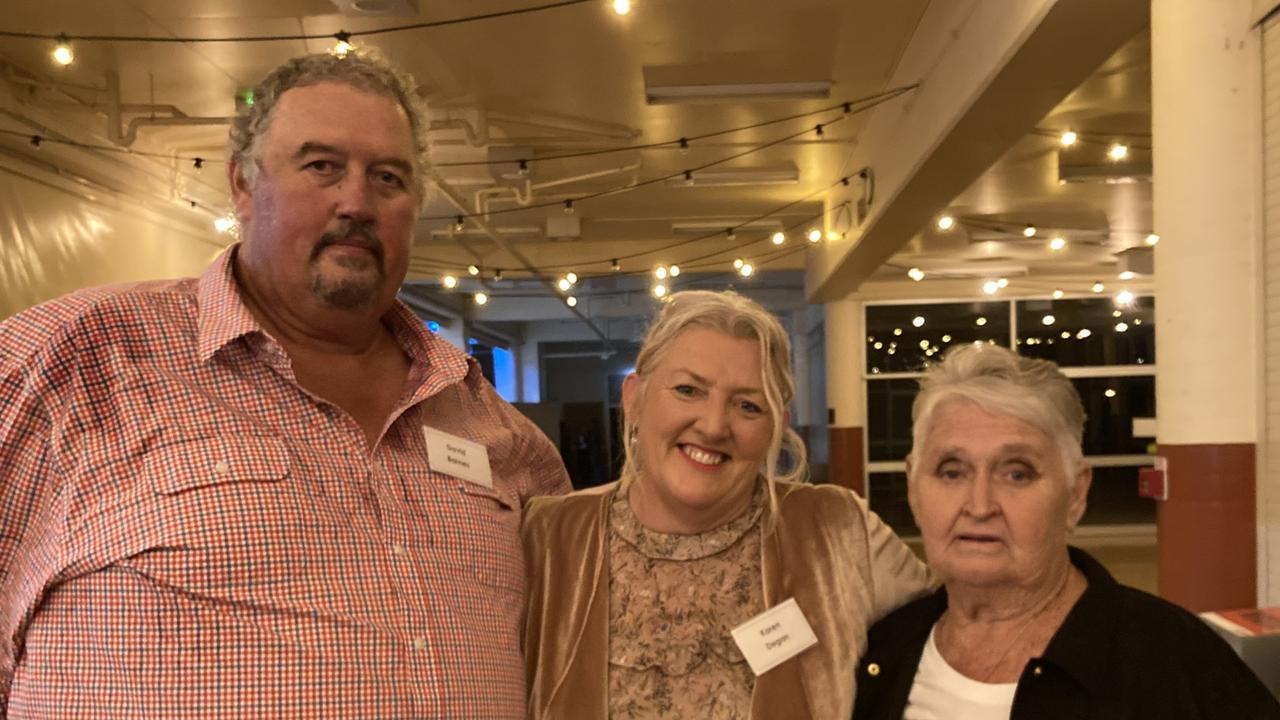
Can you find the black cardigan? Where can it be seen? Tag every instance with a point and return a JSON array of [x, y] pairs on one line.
[[1120, 653]]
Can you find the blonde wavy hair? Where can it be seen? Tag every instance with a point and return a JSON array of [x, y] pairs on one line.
[[737, 317]]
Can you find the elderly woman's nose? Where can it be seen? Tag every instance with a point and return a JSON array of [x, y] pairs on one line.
[[981, 502]]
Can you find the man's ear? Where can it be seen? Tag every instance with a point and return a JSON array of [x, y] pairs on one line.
[[241, 190]]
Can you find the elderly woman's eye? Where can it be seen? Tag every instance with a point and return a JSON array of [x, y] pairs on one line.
[[1021, 474]]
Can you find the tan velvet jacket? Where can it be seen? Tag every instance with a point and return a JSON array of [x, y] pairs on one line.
[[844, 567]]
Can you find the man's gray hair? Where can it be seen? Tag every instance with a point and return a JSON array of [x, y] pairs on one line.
[[363, 69], [1001, 381]]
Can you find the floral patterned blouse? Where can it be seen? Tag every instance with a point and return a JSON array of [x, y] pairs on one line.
[[672, 601]]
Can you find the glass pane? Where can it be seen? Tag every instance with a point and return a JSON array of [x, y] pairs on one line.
[[900, 338], [1110, 405], [888, 495], [889, 418], [1113, 499], [1088, 332]]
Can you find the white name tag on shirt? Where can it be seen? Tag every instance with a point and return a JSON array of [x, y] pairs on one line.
[[774, 636], [452, 455]]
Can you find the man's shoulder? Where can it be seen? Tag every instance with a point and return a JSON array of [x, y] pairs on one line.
[[93, 316]]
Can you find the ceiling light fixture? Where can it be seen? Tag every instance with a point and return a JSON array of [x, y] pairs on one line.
[[1068, 138], [1118, 152], [946, 222], [916, 274]]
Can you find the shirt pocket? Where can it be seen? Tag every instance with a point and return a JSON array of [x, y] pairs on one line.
[[222, 517], [481, 528]]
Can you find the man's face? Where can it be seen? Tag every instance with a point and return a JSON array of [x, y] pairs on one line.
[[329, 220]]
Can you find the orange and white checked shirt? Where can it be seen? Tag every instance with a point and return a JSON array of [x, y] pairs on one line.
[[187, 533]]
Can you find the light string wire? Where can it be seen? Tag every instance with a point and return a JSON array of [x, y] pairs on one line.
[[341, 34]]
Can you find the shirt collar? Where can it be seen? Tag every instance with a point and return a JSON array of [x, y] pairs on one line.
[[1082, 644], [223, 317]]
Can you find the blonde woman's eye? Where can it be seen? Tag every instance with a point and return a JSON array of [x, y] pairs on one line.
[[685, 390], [751, 407]]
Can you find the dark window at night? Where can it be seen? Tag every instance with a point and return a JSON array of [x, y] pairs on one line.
[[1088, 332], [889, 418], [901, 338], [1114, 500], [1110, 406], [889, 501]]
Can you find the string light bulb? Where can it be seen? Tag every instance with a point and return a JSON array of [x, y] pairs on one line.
[[729, 233], [224, 224], [778, 238], [564, 284], [990, 287], [622, 7], [473, 270], [917, 321], [737, 263], [198, 164], [674, 271], [660, 272], [481, 298], [1127, 275], [1098, 287], [449, 281], [62, 53], [746, 270], [946, 222], [571, 301], [1057, 294], [815, 235], [568, 207], [459, 224], [916, 274], [1118, 152], [659, 290], [1029, 231], [1124, 297], [572, 277], [684, 146], [1152, 239], [614, 265], [497, 274], [1002, 283], [1057, 243], [1068, 138], [342, 44]]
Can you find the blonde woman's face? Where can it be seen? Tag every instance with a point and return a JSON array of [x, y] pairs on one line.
[[702, 425]]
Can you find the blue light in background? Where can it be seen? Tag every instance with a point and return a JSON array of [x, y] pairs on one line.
[[504, 373], [471, 341], [433, 326]]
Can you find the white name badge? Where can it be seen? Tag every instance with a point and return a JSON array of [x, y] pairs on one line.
[[452, 455], [774, 636]]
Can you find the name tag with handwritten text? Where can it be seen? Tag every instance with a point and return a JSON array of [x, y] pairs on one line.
[[774, 636], [452, 455]]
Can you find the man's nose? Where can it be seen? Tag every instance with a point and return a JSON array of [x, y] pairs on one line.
[[354, 199]]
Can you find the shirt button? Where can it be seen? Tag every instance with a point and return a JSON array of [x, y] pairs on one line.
[[222, 468], [420, 643], [873, 669], [1035, 670], [398, 549]]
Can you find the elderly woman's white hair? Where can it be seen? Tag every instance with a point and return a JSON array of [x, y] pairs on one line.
[[738, 317], [1001, 381]]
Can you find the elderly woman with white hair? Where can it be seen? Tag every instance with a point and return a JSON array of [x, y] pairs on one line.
[[1026, 626], [636, 588]]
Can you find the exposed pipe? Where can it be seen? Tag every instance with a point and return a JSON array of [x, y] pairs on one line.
[[485, 195], [127, 136], [506, 246]]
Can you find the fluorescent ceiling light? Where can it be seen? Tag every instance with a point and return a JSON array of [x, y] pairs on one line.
[[702, 228], [786, 174], [728, 92]]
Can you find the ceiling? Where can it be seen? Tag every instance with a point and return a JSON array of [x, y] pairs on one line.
[[571, 80]]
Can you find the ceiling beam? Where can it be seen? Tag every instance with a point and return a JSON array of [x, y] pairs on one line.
[[988, 72]]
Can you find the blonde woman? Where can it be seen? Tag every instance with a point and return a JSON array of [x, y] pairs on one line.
[[635, 587]]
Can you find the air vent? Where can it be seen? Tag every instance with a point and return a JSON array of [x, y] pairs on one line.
[[377, 8]]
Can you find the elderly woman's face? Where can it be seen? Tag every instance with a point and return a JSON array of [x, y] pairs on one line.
[[702, 422], [991, 497]]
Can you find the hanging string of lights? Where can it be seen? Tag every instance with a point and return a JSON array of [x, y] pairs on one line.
[[1118, 144], [64, 39], [570, 204], [684, 143]]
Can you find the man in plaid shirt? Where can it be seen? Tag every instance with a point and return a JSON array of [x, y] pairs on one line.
[[268, 491]]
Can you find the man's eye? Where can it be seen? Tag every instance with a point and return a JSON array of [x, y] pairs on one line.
[[391, 179], [323, 166]]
